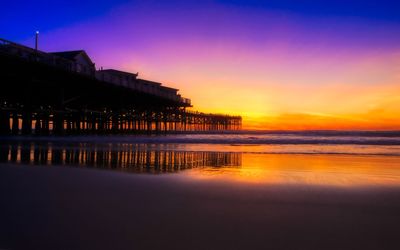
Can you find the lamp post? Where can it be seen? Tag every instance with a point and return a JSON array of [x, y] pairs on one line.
[[36, 40]]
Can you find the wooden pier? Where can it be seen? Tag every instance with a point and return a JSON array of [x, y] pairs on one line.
[[63, 93]]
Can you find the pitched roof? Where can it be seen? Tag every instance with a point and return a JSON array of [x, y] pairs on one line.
[[68, 54], [149, 82], [119, 72], [169, 88], [71, 55]]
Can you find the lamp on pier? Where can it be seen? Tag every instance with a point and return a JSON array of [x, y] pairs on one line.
[[36, 40]]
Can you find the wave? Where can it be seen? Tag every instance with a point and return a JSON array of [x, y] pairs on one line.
[[265, 143], [229, 139], [362, 133]]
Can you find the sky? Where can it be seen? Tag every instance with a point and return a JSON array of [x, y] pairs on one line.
[[280, 64]]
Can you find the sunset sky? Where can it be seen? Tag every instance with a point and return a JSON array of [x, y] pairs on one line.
[[280, 64]]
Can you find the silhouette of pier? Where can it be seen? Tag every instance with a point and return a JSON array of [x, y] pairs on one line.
[[63, 93]]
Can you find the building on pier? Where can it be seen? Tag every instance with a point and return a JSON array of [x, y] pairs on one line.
[[130, 80], [117, 77], [84, 64], [78, 61]]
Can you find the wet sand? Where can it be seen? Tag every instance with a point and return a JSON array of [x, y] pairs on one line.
[[43, 207]]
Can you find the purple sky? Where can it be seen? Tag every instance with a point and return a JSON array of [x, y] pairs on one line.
[[273, 60]]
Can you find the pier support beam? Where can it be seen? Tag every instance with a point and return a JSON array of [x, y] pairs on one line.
[[68, 125], [45, 124], [58, 123], [15, 124], [38, 125], [115, 123], [4, 122], [26, 123], [77, 123], [101, 124]]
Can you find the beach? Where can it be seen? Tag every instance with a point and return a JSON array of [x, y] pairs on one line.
[[229, 200]]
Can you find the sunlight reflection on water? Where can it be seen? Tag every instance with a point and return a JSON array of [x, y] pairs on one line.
[[324, 170]]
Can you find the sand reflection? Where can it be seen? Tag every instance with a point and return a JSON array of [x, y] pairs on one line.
[[324, 170]]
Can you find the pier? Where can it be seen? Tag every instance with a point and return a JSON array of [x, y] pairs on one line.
[[63, 93]]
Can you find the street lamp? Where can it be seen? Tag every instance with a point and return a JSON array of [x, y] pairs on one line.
[[36, 40]]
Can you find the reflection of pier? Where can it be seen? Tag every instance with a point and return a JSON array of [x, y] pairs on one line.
[[63, 93], [131, 157]]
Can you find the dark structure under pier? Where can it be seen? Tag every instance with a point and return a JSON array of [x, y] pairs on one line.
[[63, 93]]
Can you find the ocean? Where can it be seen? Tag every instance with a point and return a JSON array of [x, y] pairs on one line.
[[271, 142]]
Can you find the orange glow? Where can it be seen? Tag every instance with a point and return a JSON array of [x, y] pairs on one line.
[[323, 170], [345, 93]]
